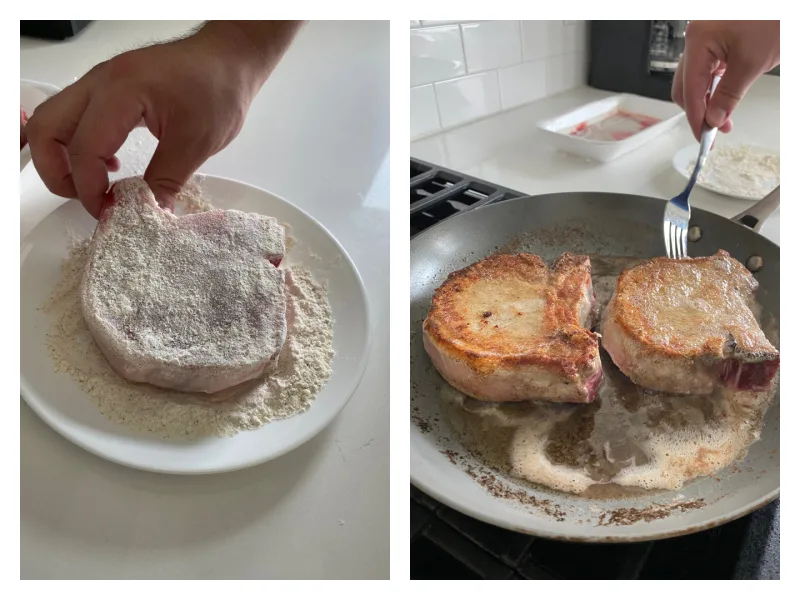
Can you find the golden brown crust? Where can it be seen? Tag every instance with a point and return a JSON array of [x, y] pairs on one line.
[[689, 308], [510, 310]]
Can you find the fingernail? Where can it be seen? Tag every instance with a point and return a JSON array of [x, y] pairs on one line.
[[715, 116], [167, 204]]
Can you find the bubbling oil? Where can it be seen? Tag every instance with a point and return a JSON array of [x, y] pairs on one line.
[[627, 442]]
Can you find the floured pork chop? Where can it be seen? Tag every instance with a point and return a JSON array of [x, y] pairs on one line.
[[194, 303], [510, 328], [686, 327]]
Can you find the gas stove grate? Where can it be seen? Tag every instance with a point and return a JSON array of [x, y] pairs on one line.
[[446, 544], [438, 193]]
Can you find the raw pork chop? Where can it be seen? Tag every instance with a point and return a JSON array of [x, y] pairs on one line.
[[686, 327], [509, 328], [193, 303]]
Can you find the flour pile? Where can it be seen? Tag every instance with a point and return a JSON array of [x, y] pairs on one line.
[[740, 170]]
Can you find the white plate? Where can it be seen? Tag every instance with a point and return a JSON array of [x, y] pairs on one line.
[[31, 95], [684, 160], [557, 129], [58, 400]]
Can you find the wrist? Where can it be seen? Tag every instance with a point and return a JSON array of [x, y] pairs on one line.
[[253, 47]]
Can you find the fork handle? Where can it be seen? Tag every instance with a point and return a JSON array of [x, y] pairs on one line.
[[707, 137], [755, 216]]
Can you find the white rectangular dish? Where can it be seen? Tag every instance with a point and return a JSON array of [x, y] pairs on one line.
[[559, 129]]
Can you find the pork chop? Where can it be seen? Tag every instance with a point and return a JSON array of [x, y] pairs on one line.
[[509, 328], [193, 303], [687, 327]]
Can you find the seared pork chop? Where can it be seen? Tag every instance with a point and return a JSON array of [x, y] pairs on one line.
[[193, 303], [510, 328], [686, 327]]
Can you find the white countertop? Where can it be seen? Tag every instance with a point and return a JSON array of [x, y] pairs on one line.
[[508, 150], [317, 135]]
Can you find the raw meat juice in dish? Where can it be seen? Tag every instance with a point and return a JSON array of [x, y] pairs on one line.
[[628, 441], [614, 127]]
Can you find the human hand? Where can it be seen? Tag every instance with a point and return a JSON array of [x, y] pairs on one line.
[[738, 51], [192, 94]]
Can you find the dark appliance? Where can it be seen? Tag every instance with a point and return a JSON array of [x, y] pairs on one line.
[[635, 57], [52, 30]]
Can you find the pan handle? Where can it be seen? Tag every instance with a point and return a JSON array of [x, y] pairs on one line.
[[755, 216]]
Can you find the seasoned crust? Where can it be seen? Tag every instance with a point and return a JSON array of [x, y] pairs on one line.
[[511, 310], [691, 308]]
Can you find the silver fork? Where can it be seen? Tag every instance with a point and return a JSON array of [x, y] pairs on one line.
[[678, 211]]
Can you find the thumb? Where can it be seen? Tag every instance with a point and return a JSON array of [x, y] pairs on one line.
[[731, 89], [173, 164]]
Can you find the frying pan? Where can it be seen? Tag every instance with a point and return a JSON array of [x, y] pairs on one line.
[[595, 224]]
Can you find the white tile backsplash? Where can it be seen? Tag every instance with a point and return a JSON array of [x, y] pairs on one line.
[[534, 40], [478, 68], [491, 45], [557, 37], [575, 36], [522, 84], [437, 54], [579, 69], [564, 72], [555, 76], [467, 98], [424, 111]]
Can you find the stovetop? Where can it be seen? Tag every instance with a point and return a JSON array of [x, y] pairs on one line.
[[438, 193], [446, 544]]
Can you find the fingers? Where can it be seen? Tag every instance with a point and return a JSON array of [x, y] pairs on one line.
[[731, 89], [49, 132], [175, 160], [113, 165], [104, 127], [698, 69]]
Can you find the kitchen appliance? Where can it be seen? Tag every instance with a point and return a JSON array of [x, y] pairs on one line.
[[52, 30], [667, 40], [635, 57], [448, 544]]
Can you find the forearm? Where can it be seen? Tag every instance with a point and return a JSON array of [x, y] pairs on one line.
[[257, 45]]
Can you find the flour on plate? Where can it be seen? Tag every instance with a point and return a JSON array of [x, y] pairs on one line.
[[289, 388], [743, 170]]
